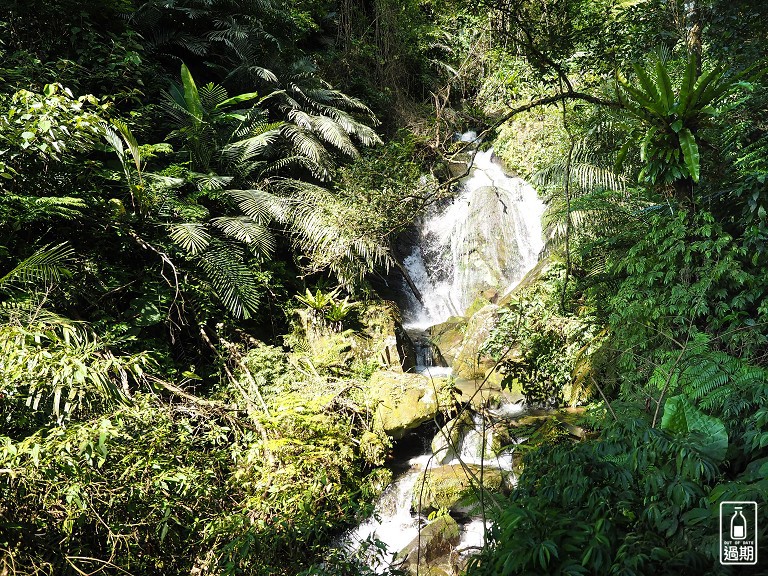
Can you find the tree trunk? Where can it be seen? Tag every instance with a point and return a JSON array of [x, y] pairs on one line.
[[409, 281], [693, 31]]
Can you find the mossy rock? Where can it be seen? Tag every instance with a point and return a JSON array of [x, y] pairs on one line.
[[403, 401], [454, 487], [432, 546], [448, 338], [383, 338], [479, 303], [469, 363]]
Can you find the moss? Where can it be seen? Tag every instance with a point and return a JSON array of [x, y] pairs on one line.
[[453, 487], [402, 401]]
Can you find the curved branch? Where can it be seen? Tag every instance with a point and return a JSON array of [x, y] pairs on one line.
[[546, 100]]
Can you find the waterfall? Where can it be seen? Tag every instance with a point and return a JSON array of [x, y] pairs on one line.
[[487, 238]]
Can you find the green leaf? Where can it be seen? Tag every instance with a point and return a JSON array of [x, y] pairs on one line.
[[653, 97], [622, 155], [191, 95], [688, 84], [237, 99], [666, 94], [690, 153], [682, 417]]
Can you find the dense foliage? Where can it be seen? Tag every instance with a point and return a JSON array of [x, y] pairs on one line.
[[658, 234], [199, 200]]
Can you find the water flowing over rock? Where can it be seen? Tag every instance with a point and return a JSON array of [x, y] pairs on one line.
[[470, 254], [486, 239], [431, 547]]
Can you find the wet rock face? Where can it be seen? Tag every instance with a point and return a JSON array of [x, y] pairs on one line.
[[430, 550], [446, 443], [448, 337], [459, 342], [481, 242], [405, 401], [455, 487], [463, 438]]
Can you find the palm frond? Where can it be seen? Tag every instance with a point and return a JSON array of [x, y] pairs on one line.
[[259, 205], [211, 95], [210, 181], [192, 237], [306, 144], [231, 279], [45, 266], [248, 231]]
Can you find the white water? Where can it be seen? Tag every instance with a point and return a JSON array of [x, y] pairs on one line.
[[395, 526], [487, 238], [393, 522]]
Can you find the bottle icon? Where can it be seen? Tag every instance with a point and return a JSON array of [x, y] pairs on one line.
[[738, 525]]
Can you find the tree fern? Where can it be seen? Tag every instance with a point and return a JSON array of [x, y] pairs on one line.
[[245, 229], [232, 280]]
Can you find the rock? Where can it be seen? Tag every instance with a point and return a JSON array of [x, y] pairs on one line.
[[431, 548], [463, 435], [384, 338], [459, 341], [378, 334], [448, 439], [404, 401], [469, 363], [448, 337], [454, 487], [535, 276]]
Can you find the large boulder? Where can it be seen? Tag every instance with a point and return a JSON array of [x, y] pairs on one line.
[[459, 341], [446, 444], [403, 401], [431, 549], [470, 363], [455, 487]]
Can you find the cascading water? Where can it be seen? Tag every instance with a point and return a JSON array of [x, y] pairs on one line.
[[488, 237]]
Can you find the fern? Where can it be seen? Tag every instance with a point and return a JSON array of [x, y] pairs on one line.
[[231, 279], [250, 232], [713, 380]]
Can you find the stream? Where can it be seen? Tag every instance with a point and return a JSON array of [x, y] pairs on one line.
[[482, 242]]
